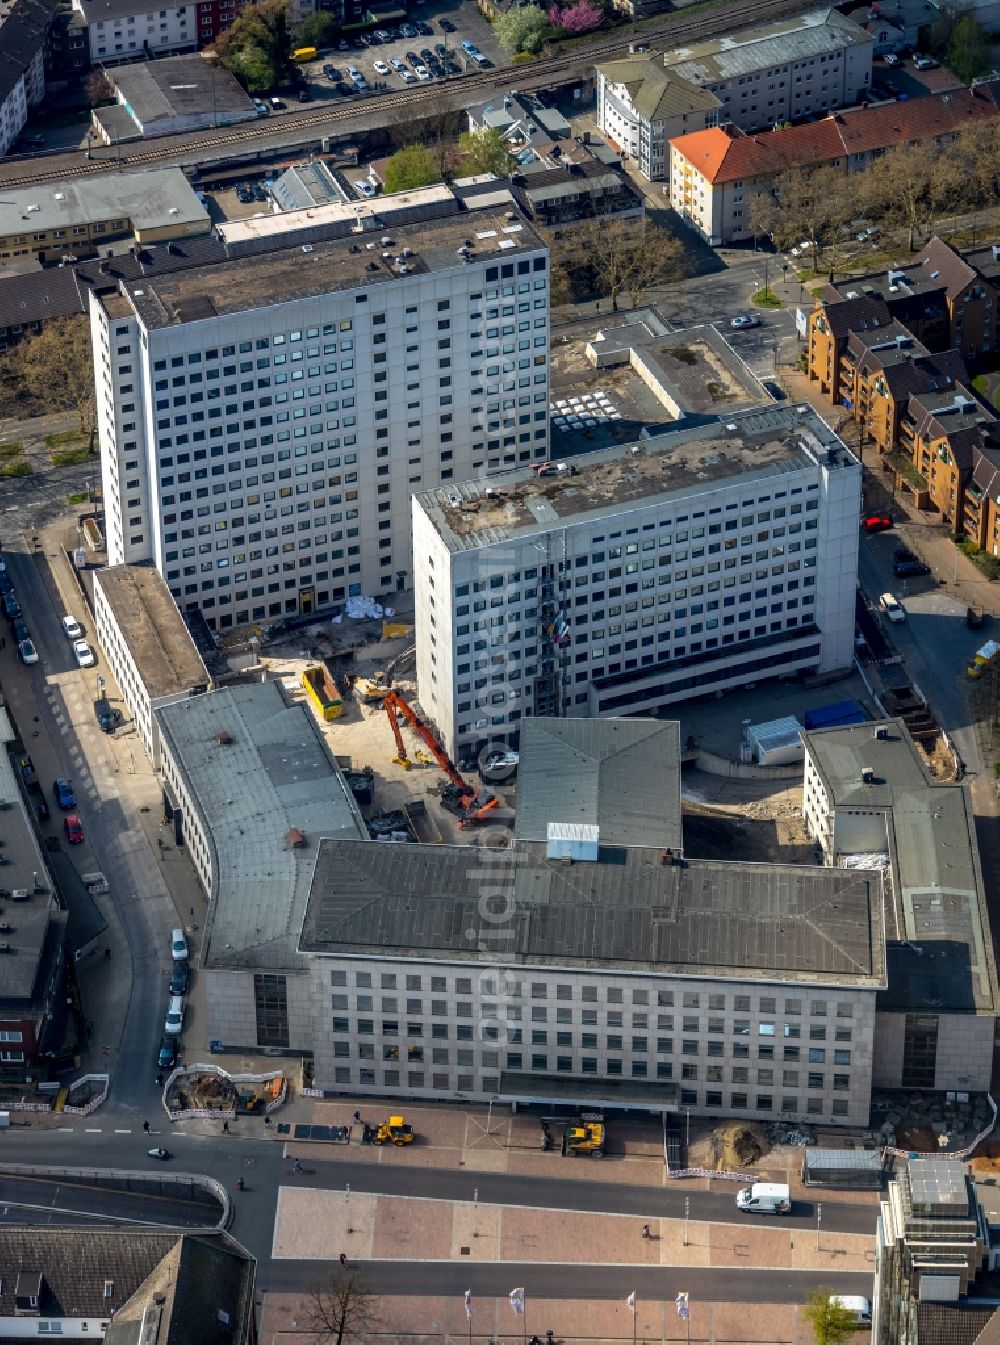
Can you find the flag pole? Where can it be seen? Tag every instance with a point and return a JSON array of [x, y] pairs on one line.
[[524, 1318]]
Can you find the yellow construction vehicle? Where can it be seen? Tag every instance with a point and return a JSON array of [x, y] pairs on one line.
[[372, 689], [584, 1137], [394, 1131]]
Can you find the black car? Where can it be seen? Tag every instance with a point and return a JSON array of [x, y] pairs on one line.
[[424, 29], [366, 40], [412, 58], [774, 391], [21, 631], [179, 978], [426, 55], [167, 1058], [42, 809], [11, 605], [441, 50], [452, 66], [331, 72], [305, 96], [901, 553], [447, 26], [910, 569]]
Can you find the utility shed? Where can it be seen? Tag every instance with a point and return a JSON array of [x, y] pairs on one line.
[[850, 1169], [777, 742]]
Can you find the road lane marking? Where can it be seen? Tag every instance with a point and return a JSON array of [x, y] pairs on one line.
[[91, 1130], [123, 1132]]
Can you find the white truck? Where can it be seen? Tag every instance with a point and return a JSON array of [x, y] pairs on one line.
[[764, 1198]]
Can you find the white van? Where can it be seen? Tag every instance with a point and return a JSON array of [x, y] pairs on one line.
[[764, 1198], [855, 1304]]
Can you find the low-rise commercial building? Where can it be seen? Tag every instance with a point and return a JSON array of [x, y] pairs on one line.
[[635, 577], [148, 647], [715, 173], [250, 787], [781, 71], [33, 1012], [171, 96], [868, 798], [72, 219], [24, 33], [605, 970]]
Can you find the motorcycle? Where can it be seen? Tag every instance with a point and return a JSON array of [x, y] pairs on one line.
[[161, 1154]]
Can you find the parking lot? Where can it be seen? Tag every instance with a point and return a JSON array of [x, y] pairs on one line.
[[429, 40]]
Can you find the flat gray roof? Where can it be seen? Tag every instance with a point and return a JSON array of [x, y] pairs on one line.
[[348, 262], [274, 774], [622, 775], [780, 42], [679, 461], [936, 1184], [942, 957], [181, 86], [625, 912], [148, 199], [153, 630]]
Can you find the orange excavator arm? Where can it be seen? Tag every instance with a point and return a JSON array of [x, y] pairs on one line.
[[394, 702]]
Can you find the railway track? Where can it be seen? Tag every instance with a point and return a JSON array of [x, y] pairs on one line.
[[416, 102]]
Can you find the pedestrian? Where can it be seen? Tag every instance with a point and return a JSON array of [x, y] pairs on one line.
[[296, 1165], [343, 1258], [240, 1184], [159, 1081], [3, 642], [267, 1121], [145, 1127], [225, 1127], [646, 1233], [357, 1118], [107, 954]]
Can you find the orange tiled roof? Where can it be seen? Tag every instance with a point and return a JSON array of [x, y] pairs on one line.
[[726, 154]]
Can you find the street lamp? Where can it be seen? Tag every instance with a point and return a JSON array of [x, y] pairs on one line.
[[489, 1114]]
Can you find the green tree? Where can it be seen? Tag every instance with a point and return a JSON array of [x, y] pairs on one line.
[[256, 47], [831, 1322], [485, 152], [318, 30], [410, 167], [522, 28], [969, 49]]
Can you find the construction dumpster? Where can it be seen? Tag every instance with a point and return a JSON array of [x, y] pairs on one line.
[[984, 657], [322, 691]]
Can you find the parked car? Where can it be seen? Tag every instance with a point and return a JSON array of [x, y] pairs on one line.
[[365, 188], [259, 192], [413, 58], [876, 522], [305, 95], [27, 652], [380, 67], [446, 26], [891, 606], [774, 391], [397, 64], [424, 28], [743, 320], [331, 72], [72, 628], [42, 809], [167, 1057], [407, 76], [178, 945], [11, 606], [174, 1020], [924, 62], [179, 978], [891, 58], [866, 234], [910, 569], [407, 30], [73, 828], [426, 55], [260, 107], [84, 654], [277, 105], [21, 631], [902, 553], [63, 791], [421, 72]]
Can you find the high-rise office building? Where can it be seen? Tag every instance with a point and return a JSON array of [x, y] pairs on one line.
[[264, 418]]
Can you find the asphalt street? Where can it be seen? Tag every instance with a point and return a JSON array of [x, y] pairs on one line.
[[59, 696], [573, 1281], [155, 1199]]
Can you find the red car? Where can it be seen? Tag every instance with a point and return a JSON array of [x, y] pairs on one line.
[[74, 829], [877, 522]]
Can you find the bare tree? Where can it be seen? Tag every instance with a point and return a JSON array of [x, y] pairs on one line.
[[59, 359], [629, 256], [910, 187], [342, 1309], [803, 205], [98, 87]]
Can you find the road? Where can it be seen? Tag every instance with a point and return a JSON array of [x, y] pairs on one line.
[[79, 1202], [57, 697], [574, 1281]]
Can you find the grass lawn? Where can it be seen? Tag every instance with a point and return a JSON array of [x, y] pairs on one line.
[[11, 450], [766, 299], [8, 469], [63, 438], [71, 457], [81, 497], [988, 387]]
